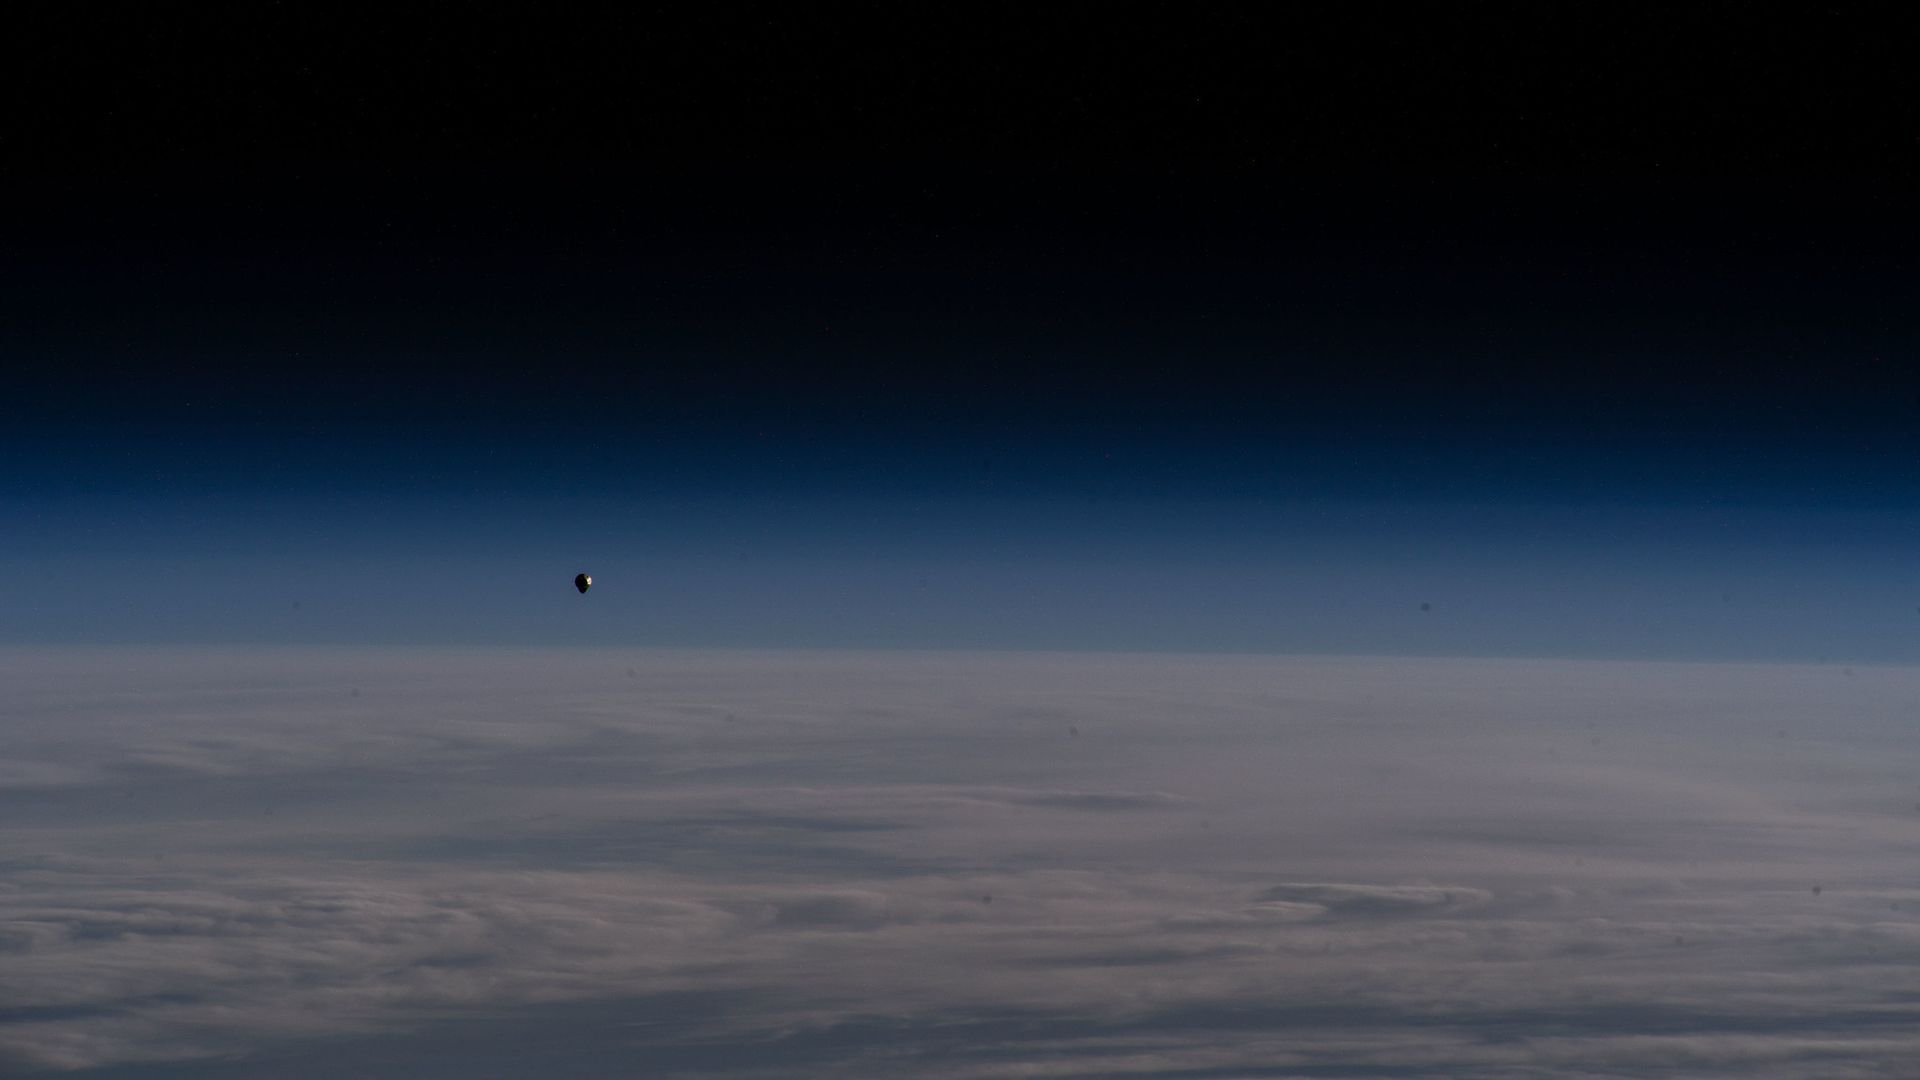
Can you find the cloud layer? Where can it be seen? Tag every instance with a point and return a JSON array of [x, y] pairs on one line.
[[306, 863]]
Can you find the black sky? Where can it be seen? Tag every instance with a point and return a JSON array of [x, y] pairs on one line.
[[1474, 90], [1580, 225]]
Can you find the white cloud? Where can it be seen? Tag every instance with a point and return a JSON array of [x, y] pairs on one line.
[[907, 865]]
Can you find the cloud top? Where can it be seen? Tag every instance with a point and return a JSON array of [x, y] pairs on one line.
[[903, 864]]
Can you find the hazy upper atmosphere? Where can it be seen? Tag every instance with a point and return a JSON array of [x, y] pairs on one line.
[[901, 410]]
